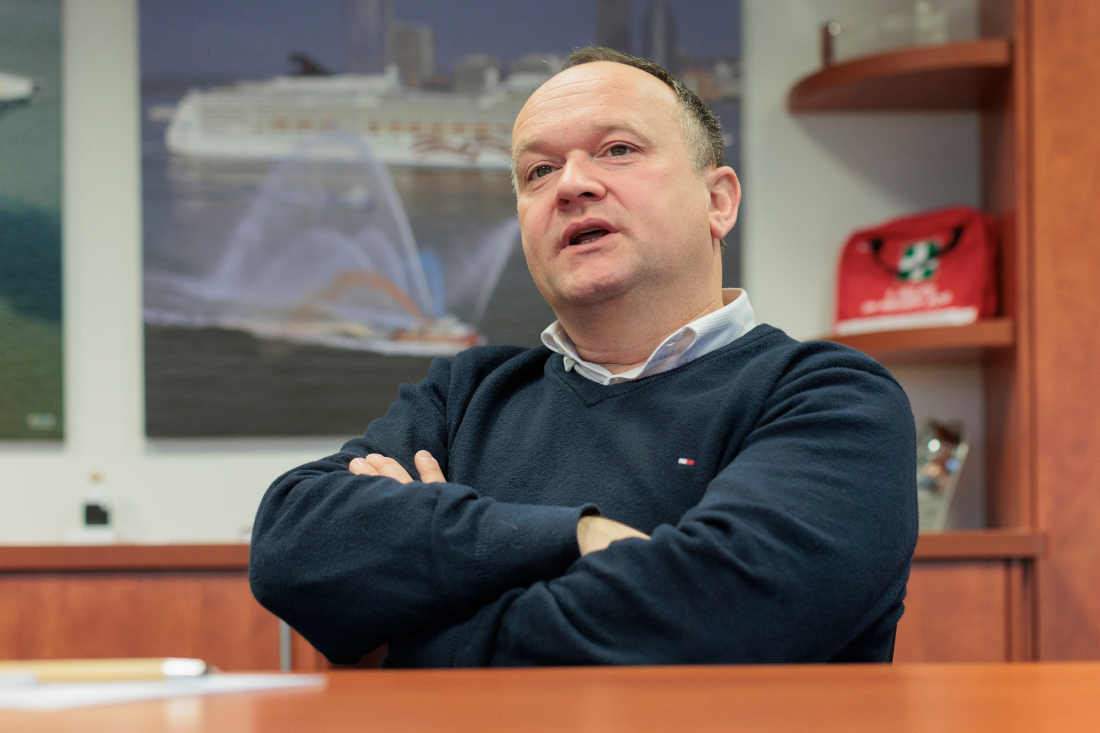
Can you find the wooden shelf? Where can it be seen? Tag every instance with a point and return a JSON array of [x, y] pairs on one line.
[[981, 544], [947, 343], [954, 76], [976, 544], [88, 558]]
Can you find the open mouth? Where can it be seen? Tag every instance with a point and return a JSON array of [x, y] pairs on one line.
[[588, 235]]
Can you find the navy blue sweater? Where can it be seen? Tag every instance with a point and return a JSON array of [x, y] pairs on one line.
[[776, 478]]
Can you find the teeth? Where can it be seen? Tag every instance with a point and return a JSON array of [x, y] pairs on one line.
[[589, 236]]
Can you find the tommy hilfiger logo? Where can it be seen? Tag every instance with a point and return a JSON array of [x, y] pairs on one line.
[[686, 461]]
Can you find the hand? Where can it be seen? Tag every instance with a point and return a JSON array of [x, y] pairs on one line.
[[378, 465], [596, 533]]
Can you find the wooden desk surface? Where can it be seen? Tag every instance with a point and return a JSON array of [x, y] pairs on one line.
[[940, 698]]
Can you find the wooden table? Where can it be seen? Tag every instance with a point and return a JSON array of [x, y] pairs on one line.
[[942, 698]]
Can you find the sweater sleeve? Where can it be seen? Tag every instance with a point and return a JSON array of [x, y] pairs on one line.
[[799, 549], [353, 561]]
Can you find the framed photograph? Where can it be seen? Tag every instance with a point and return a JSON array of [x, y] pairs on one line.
[[328, 204], [31, 404]]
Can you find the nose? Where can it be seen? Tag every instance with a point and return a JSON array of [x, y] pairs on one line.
[[579, 181]]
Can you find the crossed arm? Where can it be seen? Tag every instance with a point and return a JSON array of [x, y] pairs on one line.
[[594, 533], [800, 545]]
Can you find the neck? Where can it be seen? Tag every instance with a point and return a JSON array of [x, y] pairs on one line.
[[621, 334]]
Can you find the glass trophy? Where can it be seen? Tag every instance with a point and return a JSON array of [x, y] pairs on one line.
[[941, 452], [896, 25]]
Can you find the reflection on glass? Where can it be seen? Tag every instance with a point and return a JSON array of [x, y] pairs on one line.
[[941, 452], [913, 23]]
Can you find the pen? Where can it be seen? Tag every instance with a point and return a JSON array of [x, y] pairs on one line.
[[106, 670]]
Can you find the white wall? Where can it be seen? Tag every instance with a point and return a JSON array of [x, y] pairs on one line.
[[808, 182]]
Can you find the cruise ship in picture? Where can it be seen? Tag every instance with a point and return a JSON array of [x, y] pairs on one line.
[[14, 90], [266, 120]]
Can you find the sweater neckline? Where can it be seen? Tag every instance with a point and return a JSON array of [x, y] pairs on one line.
[[592, 393]]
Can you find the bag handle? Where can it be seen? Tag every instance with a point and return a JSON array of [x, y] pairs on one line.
[[876, 251]]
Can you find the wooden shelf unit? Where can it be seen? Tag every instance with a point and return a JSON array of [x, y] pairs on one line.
[[977, 595], [949, 343], [984, 544], [981, 75], [956, 76], [1032, 79]]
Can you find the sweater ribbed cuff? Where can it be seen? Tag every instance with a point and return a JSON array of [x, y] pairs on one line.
[[521, 544]]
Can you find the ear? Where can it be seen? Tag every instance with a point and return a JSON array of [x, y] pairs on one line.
[[725, 198]]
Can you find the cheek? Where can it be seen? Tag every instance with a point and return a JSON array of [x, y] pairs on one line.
[[530, 235], [536, 265], [668, 228], [525, 210], [534, 223], [652, 194], [528, 248], [686, 209]]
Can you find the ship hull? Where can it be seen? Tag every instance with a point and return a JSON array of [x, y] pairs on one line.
[[271, 120]]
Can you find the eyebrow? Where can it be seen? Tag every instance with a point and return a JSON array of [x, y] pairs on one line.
[[602, 129]]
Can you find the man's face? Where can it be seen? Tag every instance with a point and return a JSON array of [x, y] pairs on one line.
[[609, 200]]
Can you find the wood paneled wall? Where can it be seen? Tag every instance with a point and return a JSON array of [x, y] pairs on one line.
[[194, 601], [955, 612], [142, 601], [967, 611], [1005, 195], [206, 615], [1065, 120]]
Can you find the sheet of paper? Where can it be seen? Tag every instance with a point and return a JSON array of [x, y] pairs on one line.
[[66, 695]]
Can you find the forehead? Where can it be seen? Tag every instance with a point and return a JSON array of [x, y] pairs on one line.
[[595, 94]]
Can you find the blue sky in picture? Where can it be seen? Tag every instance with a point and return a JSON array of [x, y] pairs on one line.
[[253, 38]]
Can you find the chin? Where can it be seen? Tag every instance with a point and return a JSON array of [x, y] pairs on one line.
[[593, 292]]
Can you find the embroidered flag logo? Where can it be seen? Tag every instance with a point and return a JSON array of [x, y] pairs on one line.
[[686, 461]]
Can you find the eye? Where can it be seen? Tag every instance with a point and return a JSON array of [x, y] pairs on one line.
[[618, 149], [539, 171]]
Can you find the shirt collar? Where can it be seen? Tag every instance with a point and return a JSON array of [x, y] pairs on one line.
[[703, 335]]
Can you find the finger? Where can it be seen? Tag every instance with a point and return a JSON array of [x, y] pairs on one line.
[[595, 533], [360, 467], [389, 468], [428, 468]]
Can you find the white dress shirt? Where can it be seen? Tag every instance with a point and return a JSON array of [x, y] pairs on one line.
[[702, 336]]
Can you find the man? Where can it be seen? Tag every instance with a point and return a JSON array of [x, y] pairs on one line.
[[663, 482]]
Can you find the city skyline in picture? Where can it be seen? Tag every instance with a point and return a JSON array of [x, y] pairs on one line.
[[256, 38], [328, 203]]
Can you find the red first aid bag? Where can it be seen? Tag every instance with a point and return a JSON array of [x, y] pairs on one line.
[[934, 269]]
